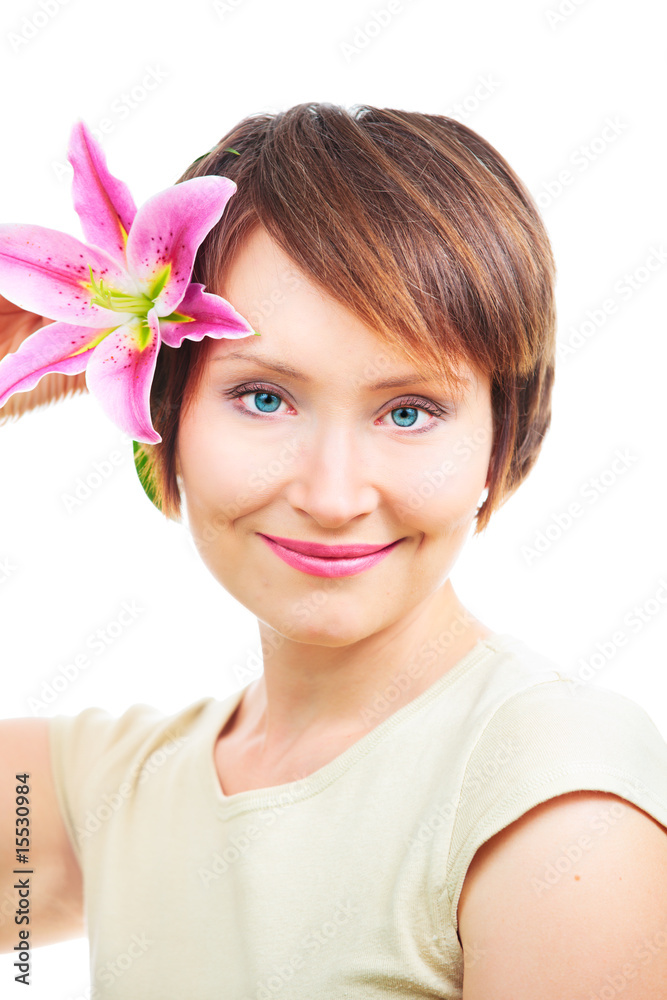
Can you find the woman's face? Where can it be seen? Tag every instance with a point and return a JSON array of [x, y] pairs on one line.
[[325, 454]]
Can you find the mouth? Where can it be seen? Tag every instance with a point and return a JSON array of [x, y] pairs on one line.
[[327, 551], [327, 560]]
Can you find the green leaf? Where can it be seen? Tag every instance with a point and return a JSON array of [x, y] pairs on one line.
[[203, 155], [140, 463]]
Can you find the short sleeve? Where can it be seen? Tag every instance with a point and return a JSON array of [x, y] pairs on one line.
[[552, 738], [93, 756]]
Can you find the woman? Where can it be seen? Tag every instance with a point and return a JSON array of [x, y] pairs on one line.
[[405, 803]]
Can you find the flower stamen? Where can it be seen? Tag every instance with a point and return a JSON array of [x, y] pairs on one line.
[[111, 298]]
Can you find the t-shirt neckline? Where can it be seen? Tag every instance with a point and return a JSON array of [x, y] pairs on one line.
[[279, 796]]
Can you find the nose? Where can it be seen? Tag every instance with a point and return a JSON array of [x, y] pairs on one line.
[[332, 476]]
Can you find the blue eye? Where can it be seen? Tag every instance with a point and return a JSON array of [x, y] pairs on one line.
[[411, 412], [267, 400], [408, 413], [264, 397], [261, 401]]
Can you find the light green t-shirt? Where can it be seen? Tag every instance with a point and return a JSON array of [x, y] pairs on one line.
[[343, 884]]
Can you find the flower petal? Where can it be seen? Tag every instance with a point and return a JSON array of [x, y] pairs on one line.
[[212, 316], [102, 202], [166, 234], [57, 347], [46, 272], [120, 373]]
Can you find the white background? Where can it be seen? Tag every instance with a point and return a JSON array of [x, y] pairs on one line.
[[540, 86]]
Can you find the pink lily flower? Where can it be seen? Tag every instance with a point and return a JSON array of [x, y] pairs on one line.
[[118, 297]]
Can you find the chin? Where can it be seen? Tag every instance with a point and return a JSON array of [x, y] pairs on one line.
[[318, 626]]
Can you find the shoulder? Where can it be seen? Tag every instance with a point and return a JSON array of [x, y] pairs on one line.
[[566, 896], [553, 764], [552, 738], [96, 748], [101, 730]]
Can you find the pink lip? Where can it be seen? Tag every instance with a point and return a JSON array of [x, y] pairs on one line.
[[327, 560], [326, 551]]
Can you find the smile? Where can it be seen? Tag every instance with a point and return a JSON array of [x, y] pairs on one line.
[[327, 560]]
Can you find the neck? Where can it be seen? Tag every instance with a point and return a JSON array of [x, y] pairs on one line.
[[313, 693]]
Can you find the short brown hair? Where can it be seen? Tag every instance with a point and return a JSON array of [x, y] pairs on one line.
[[418, 226]]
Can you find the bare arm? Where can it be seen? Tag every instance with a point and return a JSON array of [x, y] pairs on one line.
[[55, 888], [56, 906], [570, 900]]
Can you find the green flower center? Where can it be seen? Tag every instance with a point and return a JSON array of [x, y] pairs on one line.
[[138, 304]]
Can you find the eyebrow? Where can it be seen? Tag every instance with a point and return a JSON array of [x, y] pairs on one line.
[[408, 378]]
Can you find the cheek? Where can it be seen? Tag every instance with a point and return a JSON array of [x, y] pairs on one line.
[[225, 476], [215, 469], [440, 488]]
